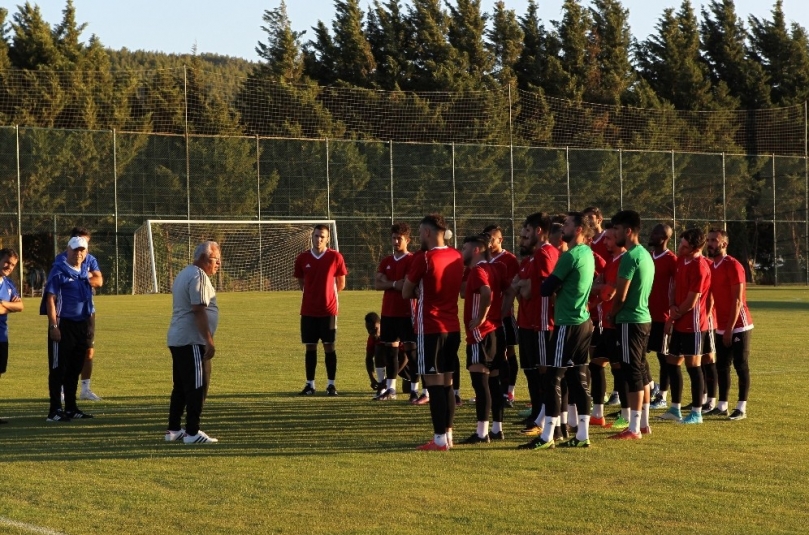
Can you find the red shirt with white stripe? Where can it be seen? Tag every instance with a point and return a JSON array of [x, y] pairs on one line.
[[480, 275], [511, 267], [611, 278], [524, 319], [499, 283], [599, 247], [725, 274], [693, 275], [541, 308], [319, 284], [438, 274], [393, 304], [665, 271]]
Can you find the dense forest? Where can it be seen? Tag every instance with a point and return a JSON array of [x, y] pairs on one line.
[[396, 88]]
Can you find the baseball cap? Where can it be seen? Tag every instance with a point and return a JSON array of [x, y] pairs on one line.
[[77, 242]]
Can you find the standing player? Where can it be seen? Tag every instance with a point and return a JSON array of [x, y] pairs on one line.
[[510, 368], [435, 280], [90, 267], [396, 326], [9, 302], [659, 302], [630, 313], [734, 324], [321, 274], [571, 281], [481, 341], [374, 350], [689, 322]]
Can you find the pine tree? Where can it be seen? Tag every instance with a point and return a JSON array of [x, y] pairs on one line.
[[610, 39], [435, 62], [505, 43], [389, 39], [569, 71], [466, 32]]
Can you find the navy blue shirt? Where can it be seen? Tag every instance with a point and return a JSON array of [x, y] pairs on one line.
[[74, 297]]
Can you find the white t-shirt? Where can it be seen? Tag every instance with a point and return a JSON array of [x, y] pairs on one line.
[[191, 287]]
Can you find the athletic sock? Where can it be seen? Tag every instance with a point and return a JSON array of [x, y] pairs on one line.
[[85, 385], [547, 429], [483, 398], [414, 387], [676, 382], [311, 383], [722, 405], [438, 409], [634, 421], [677, 406], [330, 382], [563, 418], [310, 361], [440, 440], [380, 374], [331, 365], [644, 416], [391, 383], [511, 389], [625, 413], [583, 432], [497, 427], [541, 417], [572, 413], [450, 415], [697, 384], [498, 401], [741, 406], [598, 410], [483, 429], [664, 394]]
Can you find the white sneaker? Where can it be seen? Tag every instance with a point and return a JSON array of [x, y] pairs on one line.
[[172, 436], [89, 395], [199, 438]]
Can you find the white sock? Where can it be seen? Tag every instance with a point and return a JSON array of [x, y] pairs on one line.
[[391, 384], [424, 392], [497, 427], [330, 382], [547, 430], [625, 413], [440, 440], [414, 387], [380, 374], [712, 402], [483, 428], [511, 389], [741, 406], [85, 384], [563, 418], [311, 383], [572, 413], [677, 406], [664, 394], [697, 410], [583, 432], [598, 410], [644, 415], [722, 405], [634, 421], [704, 399]]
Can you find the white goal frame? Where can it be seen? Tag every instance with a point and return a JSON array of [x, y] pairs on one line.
[[149, 223]]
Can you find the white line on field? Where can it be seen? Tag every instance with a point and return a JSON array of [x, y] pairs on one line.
[[28, 527]]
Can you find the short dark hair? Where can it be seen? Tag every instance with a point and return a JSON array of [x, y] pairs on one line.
[[594, 210], [559, 218], [556, 228], [401, 228], [720, 231], [79, 231], [540, 220], [588, 226], [9, 252], [627, 219], [321, 226], [371, 317], [481, 241], [694, 237], [491, 228], [607, 225], [434, 220]]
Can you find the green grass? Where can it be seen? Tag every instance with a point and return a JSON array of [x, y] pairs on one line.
[[347, 465]]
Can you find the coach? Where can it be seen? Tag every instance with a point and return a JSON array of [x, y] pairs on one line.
[[190, 339]]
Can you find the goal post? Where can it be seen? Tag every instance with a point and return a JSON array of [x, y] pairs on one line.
[[256, 255]]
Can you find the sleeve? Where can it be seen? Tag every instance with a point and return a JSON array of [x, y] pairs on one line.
[[600, 263], [198, 293], [627, 267], [563, 266], [542, 265], [417, 269], [92, 263], [298, 271], [340, 269], [382, 265], [736, 276], [369, 346], [54, 283], [13, 289]]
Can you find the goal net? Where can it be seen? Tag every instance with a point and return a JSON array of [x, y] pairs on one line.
[[256, 255]]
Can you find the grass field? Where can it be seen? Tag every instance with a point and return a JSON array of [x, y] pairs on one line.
[[348, 465]]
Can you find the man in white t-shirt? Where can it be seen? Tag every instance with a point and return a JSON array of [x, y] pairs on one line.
[[190, 339]]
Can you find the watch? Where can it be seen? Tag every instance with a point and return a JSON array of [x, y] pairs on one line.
[[54, 326]]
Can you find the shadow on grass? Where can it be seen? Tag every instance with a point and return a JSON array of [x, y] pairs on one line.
[[257, 424], [779, 305]]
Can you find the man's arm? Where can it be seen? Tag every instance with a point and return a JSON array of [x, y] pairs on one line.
[[736, 297], [409, 289], [618, 300], [678, 311], [201, 319], [381, 282], [550, 286], [341, 282], [485, 303], [15, 305], [53, 326], [300, 283], [96, 279]]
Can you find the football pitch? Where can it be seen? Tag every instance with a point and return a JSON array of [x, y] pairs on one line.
[[286, 464]]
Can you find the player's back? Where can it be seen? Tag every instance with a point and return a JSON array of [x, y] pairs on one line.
[[439, 290]]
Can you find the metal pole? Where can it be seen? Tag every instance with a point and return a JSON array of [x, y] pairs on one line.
[[673, 199], [390, 145], [567, 165], [454, 220], [187, 161], [19, 212], [774, 231], [621, 176], [258, 202], [115, 195], [724, 195], [806, 186], [328, 183], [511, 155]]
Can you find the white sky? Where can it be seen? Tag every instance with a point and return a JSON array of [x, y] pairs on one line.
[[233, 28]]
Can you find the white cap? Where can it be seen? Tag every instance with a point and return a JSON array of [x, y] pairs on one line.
[[77, 242]]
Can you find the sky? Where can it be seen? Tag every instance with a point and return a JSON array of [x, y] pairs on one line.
[[234, 28]]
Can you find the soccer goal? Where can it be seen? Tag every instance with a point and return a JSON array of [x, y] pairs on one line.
[[256, 255]]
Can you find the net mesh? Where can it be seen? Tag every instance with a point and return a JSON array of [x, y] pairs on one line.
[[256, 256]]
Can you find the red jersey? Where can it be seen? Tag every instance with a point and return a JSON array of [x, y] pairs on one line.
[[319, 284], [541, 308], [524, 320], [499, 283], [665, 271], [611, 278], [437, 273], [692, 276], [725, 274], [599, 247], [370, 345], [393, 305], [480, 275], [511, 266]]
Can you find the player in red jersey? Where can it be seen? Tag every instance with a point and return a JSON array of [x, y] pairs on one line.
[[734, 324], [660, 302], [481, 340], [435, 280], [321, 274], [374, 348], [597, 244], [396, 325], [688, 324], [511, 266]]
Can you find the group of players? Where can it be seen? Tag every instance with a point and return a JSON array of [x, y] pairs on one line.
[[587, 296]]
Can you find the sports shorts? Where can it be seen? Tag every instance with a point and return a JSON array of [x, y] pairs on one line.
[[396, 329], [437, 352], [569, 345], [632, 338], [482, 352], [656, 337], [510, 329], [318, 329]]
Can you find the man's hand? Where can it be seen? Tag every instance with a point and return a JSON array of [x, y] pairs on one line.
[[210, 350], [54, 334], [727, 338]]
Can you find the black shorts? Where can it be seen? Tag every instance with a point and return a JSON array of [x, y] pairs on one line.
[[606, 346], [633, 338], [3, 357], [656, 337], [316, 329], [595, 338], [510, 329], [685, 344], [500, 353], [708, 345], [543, 341], [483, 352], [569, 345], [396, 329], [529, 350], [739, 351], [437, 352]]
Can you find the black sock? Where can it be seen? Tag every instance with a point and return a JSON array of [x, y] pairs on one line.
[[697, 385], [483, 397], [743, 370], [598, 382], [498, 401], [676, 383], [331, 365], [311, 364], [391, 361], [534, 391], [664, 372], [456, 379], [621, 387], [438, 409], [449, 393], [709, 371]]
